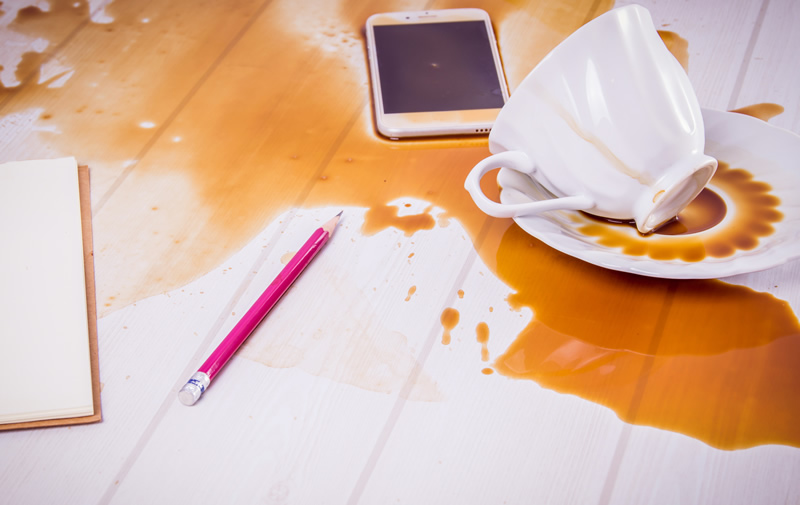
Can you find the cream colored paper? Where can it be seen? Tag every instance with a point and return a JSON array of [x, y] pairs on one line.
[[45, 368]]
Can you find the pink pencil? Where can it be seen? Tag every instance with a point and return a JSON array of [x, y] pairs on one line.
[[191, 391]]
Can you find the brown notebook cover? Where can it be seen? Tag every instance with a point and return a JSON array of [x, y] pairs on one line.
[[91, 309]]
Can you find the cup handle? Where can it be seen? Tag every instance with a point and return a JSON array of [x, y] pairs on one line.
[[520, 162]]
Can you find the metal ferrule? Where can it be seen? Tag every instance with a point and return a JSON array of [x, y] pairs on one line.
[[191, 391]]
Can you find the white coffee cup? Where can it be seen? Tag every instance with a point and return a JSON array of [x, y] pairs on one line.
[[608, 122]]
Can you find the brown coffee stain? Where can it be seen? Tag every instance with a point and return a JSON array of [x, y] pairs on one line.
[[28, 26], [704, 358], [33, 17], [602, 149], [357, 350], [762, 111], [461, 293], [411, 291], [482, 336], [449, 320], [707, 210], [487, 371], [695, 235], [236, 143], [27, 68], [678, 46], [380, 217], [287, 257]]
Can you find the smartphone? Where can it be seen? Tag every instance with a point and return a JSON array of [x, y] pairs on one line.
[[434, 72]]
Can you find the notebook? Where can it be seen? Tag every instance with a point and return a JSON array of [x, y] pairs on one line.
[[49, 373]]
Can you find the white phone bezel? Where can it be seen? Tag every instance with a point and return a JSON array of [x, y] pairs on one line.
[[420, 124]]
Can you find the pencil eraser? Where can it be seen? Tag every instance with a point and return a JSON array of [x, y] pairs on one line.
[[189, 394], [191, 391]]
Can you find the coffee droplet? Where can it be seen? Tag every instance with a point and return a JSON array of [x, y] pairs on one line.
[[482, 331], [449, 319]]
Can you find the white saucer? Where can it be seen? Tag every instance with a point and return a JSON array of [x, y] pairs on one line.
[[771, 154]]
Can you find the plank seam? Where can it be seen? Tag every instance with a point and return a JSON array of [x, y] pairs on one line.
[[748, 55], [636, 400]]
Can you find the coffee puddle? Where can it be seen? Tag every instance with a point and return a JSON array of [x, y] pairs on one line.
[[711, 360], [706, 211], [698, 232]]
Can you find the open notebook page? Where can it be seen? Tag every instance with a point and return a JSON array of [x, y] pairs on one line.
[[45, 368]]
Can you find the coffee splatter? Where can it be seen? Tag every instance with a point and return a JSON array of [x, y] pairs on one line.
[[763, 111], [449, 320], [482, 331], [678, 46]]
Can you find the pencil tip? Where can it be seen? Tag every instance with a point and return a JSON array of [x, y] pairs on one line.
[[330, 226]]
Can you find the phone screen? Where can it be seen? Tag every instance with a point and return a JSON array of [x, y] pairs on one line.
[[437, 67]]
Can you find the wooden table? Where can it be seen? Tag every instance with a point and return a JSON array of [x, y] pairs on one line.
[[220, 134]]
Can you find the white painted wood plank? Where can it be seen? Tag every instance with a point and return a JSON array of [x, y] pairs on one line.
[[496, 442], [773, 72], [266, 434], [660, 467]]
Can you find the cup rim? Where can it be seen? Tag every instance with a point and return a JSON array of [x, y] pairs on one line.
[[655, 210]]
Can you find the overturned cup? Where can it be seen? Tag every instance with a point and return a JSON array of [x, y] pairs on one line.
[[608, 123]]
